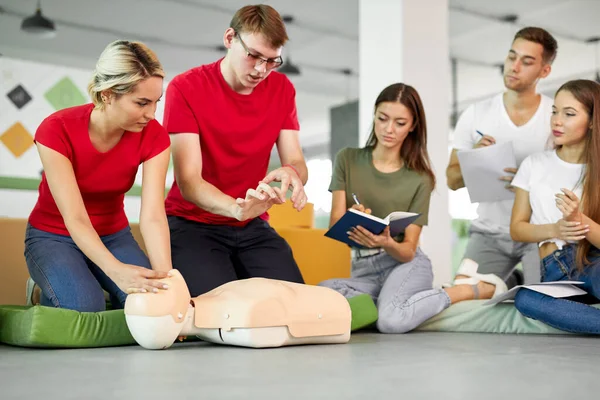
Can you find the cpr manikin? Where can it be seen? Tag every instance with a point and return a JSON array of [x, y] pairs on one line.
[[254, 312]]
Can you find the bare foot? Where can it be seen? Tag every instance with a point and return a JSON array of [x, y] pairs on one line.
[[459, 293], [486, 290]]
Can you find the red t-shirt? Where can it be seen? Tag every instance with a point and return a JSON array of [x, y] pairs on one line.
[[103, 178], [237, 132]]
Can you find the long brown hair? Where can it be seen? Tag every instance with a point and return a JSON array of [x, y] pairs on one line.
[[587, 93], [414, 149]]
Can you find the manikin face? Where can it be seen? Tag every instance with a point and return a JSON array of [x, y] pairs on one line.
[[570, 121], [132, 111], [524, 65]]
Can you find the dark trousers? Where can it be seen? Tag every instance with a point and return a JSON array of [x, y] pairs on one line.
[[210, 255]]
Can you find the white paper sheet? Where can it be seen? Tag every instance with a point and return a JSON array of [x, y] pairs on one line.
[[556, 289], [482, 168]]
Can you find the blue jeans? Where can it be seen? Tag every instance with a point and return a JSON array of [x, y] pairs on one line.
[[68, 279], [565, 314], [403, 292]]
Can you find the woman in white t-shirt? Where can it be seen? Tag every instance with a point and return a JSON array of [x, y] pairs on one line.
[[557, 205]]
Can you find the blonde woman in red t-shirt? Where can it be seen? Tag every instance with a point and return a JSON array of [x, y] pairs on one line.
[[78, 241]]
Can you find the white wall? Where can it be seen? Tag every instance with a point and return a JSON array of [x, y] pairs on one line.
[[16, 203]]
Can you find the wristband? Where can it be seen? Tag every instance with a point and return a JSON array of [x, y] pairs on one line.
[[292, 167]]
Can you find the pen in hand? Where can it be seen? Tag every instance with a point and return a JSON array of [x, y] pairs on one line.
[[359, 206], [485, 140]]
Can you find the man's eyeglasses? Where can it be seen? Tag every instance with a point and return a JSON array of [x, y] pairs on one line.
[[271, 63]]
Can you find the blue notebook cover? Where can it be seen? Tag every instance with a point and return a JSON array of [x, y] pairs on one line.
[[375, 225]]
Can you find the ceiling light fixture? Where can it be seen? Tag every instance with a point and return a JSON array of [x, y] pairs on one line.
[[596, 40], [288, 67], [39, 25]]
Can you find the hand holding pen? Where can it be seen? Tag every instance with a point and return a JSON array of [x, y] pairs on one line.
[[365, 238], [358, 206], [485, 140]]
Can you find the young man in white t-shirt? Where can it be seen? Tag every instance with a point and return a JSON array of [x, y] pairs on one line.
[[522, 116]]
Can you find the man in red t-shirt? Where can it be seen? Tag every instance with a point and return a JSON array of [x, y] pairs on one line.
[[224, 119]]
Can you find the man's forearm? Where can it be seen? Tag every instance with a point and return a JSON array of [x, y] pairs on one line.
[[454, 177], [301, 170], [208, 197]]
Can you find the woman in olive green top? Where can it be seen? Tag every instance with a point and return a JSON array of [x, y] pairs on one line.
[[392, 173]]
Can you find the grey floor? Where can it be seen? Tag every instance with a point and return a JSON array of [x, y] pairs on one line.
[[412, 366]]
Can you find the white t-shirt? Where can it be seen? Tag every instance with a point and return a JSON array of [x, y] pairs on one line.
[[490, 118], [543, 175]]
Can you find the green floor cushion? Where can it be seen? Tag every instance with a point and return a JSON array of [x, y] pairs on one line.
[[473, 316], [38, 326], [49, 327], [364, 312]]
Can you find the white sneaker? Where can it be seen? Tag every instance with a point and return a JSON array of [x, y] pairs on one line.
[[469, 268], [31, 292]]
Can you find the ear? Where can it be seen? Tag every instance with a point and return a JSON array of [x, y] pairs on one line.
[[228, 38], [546, 69], [106, 96]]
